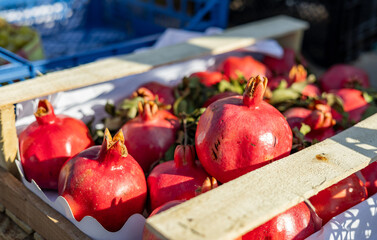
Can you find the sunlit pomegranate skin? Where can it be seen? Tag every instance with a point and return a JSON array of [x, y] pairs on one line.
[[236, 135], [370, 175], [164, 93], [209, 78], [353, 103], [218, 97], [104, 182], [150, 134], [247, 67], [48, 142], [319, 118], [180, 179], [343, 76], [295, 223], [147, 235], [339, 197]]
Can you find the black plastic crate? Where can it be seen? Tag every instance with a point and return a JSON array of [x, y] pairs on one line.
[[339, 29]]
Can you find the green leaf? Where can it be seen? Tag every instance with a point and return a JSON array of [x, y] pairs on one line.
[[283, 84], [299, 86], [110, 108], [305, 129], [368, 98], [282, 95], [372, 109], [311, 78], [169, 154]]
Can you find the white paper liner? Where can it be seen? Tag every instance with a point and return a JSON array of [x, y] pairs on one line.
[[358, 222]]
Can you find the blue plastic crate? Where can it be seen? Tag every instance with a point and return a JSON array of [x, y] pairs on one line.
[[79, 31]]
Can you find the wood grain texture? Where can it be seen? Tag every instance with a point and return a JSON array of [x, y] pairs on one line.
[[8, 138], [9, 230], [26, 206], [117, 67], [26, 228], [239, 206]]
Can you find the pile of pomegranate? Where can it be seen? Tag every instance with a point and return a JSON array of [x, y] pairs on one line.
[[164, 145]]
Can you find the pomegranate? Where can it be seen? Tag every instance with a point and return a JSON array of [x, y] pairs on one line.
[[244, 68], [274, 82], [48, 142], [295, 223], [238, 134], [283, 65], [209, 78], [150, 134], [295, 116], [104, 182], [218, 97], [343, 76], [370, 175], [339, 197], [311, 90], [165, 93], [353, 103], [208, 184], [180, 179], [147, 235], [319, 119]]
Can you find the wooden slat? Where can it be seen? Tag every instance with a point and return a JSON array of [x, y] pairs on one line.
[[9, 230], [26, 206], [244, 203], [117, 67], [8, 138]]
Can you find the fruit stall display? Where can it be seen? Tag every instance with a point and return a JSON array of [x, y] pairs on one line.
[[258, 128]]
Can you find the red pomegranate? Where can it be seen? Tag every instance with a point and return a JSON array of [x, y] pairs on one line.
[[339, 197], [370, 175], [295, 223], [274, 82], [218, 97], [180, 179], [238, 134], [353, 103], [318, 117], [245, 67], [147, 235], [104, 182], [209, 78], [208, 184], [48, 142], [311, 90], [295, 116], [150, 134], [281, 66], [165, 93], [343, 76]]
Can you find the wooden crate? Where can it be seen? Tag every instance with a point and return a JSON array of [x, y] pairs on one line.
[[225, 212]]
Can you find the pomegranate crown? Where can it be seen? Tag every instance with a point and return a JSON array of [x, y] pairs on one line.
[[298, 73], [143, 92], [184, 155], [254, 91], [45, 112], [208, 184], [148, 109], [115, 143]]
